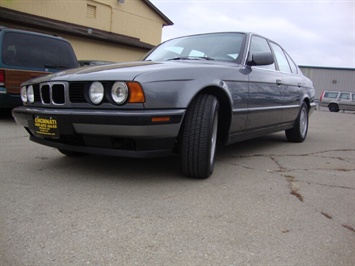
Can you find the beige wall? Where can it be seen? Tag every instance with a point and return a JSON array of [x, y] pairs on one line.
[[103, 51], [133, 18]]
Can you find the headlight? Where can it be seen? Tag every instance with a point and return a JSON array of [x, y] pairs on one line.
[[119, 92], [30, 94], [96, 92], [24, 94]]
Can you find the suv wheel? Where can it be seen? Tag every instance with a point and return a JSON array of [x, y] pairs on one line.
[[333, 107]]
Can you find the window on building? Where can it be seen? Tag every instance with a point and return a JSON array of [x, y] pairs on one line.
[[90, 11]]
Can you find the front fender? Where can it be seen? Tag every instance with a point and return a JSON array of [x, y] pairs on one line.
[[179, 93], [175, 88]]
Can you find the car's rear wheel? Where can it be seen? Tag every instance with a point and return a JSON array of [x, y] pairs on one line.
[[198, 137], [71, 153], [333, 107], [299, 132]]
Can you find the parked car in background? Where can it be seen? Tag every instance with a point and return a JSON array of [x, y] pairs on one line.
[[187, 95], [25, 55], [338, 100]]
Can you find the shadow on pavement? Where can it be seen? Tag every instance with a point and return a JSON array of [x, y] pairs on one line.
[[5, 114]]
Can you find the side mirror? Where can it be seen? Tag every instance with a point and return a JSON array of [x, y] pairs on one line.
[[261, 59]]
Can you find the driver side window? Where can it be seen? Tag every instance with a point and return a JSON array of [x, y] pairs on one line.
[[259, 45]]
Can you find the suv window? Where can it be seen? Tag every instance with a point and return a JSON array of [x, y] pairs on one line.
[[27, 50], [260, 45], [344, 96], [330, 94], [281, 58], [353, 97]]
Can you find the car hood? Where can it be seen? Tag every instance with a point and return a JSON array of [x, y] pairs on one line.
[[183, 69]]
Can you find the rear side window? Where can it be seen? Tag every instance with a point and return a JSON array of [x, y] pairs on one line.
[[281, 58], [32, 51], [330, 94], [293, 66], [345, 96]]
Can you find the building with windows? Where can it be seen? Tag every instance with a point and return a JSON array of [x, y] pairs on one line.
[[108, 30]]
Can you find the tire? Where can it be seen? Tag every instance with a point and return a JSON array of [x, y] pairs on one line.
[[299, 132], [71, 153], [333, 107], [198, 137]]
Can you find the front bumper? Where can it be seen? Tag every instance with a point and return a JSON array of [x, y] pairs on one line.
[[128, 133], [313, 107]]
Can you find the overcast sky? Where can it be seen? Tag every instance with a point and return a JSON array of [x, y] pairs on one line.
[[314, 33]]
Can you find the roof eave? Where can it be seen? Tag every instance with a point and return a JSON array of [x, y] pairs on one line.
[[167, 21]]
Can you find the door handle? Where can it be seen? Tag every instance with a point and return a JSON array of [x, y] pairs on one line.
[[278, 82], [299, 85]]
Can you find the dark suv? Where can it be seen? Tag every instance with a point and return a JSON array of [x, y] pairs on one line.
[[25, 55]]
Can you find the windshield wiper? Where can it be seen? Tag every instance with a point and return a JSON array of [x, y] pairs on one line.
[[179, 58], [206, 57], [55, 66], [190, 58]]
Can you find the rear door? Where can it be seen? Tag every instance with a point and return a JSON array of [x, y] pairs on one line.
[[346, 101], [14, 78], [291, 84]]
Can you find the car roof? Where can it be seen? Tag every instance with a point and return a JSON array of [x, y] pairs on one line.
[[340, 91], [5, 29]]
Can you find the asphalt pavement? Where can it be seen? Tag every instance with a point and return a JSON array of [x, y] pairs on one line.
[[269, 202]]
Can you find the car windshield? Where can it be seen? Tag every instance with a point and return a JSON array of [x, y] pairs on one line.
[[217, 46]]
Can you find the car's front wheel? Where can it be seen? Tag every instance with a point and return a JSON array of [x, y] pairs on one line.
[[299, 132], [198, 137]]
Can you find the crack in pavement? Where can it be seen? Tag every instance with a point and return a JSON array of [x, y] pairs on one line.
[[291, 180]]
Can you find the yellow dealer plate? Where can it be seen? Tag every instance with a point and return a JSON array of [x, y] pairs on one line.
[[46, 126]]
